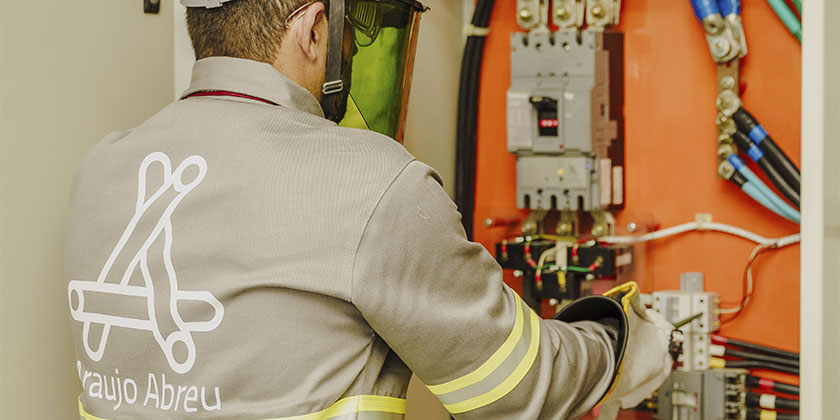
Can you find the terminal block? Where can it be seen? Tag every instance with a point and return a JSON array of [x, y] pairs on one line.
[[717, 394], [559, 282], [676, 305]]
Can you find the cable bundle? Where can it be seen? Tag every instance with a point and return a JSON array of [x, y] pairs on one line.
[[466, 143], [752, 356], [752, 139], [763, 384]]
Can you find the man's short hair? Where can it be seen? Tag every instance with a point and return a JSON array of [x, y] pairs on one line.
[[250, 29]]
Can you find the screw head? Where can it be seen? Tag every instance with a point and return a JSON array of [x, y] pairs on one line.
[[552, 302], [564, 228], [598, 12], [599, 230], [526, 15], [632, 227], [720, 47], [517, 273], [727, 82], [529, 227], [562, 13]]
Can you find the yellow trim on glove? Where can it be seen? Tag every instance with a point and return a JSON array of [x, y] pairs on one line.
[[630, 289]]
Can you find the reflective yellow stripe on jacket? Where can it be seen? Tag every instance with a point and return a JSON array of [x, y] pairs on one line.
[[362, 407], [501, 372]]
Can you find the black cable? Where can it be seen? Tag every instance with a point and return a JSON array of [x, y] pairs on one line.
[[738, 179], [750, 126], [771, 385], [750, 364], [746, 145], [466, 144], [754, 414], [761, 358], [757, 348], [771, 402]]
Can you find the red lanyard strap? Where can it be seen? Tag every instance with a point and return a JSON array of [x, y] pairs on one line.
[[231, 94]]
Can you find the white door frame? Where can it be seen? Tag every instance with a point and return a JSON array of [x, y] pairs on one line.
[[820, 258]]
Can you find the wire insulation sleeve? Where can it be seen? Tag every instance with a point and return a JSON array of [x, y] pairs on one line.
[[749, 125], [755, 414], [755, 382], [757, 155], [705, 8], [778, 205], [729, 7]]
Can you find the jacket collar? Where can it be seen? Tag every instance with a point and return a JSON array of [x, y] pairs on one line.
[[251, 78]]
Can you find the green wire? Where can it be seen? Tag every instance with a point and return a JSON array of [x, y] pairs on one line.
[[787, 17], [680, 324], [576, 269], [798, 4]]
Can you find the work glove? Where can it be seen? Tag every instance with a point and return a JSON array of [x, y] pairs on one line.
[[643, 361]]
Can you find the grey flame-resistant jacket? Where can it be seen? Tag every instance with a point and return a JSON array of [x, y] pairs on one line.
[[231, 258]]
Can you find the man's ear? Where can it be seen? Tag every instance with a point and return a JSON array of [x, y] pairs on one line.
[[310, 32]]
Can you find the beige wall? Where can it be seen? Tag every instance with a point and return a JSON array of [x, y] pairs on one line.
[[433, 105], [70, 71]]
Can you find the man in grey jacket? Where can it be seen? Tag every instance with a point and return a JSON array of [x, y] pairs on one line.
[[240, 256]]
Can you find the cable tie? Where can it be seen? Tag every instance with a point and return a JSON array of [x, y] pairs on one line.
[[702, 219], [472, 30]]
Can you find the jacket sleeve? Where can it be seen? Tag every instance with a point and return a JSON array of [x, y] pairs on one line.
[[439, 302]]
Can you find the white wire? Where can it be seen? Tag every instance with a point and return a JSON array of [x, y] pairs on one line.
[[543, 259], [703, 226]]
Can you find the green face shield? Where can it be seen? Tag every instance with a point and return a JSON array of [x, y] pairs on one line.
[[377, 59]]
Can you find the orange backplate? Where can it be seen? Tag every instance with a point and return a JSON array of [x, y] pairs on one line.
[[670, 155]]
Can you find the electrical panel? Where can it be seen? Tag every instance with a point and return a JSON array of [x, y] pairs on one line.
[[565, 119]]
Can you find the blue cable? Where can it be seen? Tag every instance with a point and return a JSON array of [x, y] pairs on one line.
[[756, 188], [783, 209], [729, 7], [705, 8], [756, 195]]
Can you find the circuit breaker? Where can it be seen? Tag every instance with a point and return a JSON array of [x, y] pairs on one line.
[[565, 119]]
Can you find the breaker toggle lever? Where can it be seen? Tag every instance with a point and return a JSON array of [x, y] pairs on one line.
[[547, 120]]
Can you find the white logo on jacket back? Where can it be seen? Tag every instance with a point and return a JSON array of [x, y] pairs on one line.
[[79, 290]]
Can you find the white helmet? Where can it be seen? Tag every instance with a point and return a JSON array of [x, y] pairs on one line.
[[204, 3]]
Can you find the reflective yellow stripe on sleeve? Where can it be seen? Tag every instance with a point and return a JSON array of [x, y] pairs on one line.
[[501, 373], [361, 407]]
